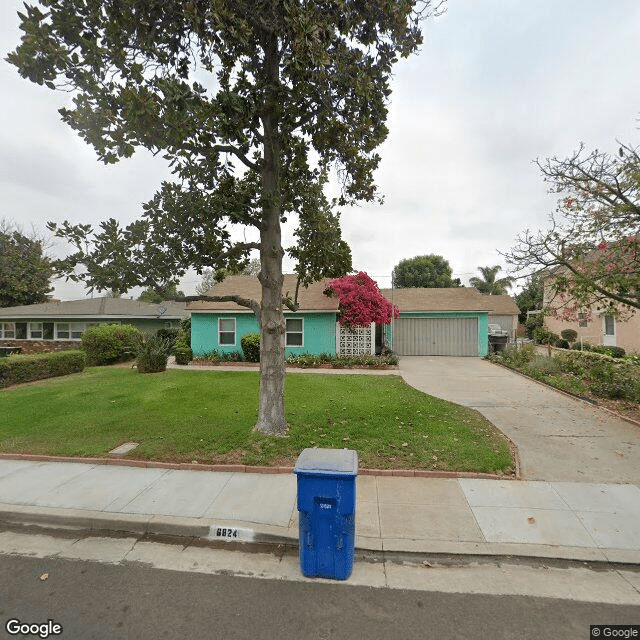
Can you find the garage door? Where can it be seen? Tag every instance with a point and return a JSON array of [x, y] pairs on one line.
[[435, 336]]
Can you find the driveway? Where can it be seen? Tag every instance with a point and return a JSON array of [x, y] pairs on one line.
[[559, 438]]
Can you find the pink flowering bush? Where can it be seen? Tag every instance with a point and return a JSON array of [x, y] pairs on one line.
[[360, 301]]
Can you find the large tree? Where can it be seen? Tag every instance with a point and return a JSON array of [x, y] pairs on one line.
[[590, 254], [251, 102], [25, 269], [489, 283], [431, 271]]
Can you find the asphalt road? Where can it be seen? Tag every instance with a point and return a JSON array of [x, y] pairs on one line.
[[94, 600]]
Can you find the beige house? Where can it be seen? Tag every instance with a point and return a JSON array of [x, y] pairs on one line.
[[594, 326]]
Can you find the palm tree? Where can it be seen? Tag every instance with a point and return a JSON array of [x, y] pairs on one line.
[[488, 283]]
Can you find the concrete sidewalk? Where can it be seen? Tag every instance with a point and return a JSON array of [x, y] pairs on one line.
[[576, 521]]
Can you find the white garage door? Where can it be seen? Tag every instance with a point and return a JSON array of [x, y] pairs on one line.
[[435, 336]]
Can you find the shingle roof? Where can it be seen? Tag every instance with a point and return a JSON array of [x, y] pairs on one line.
[[97, 308], [449, 299], [310, 299]]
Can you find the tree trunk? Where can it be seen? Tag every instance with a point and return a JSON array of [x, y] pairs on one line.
[[271, 417]]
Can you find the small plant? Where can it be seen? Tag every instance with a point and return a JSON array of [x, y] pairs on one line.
[[569, 335], [110, 343], [250, 344], [542, 366], [562, 343], [182, 347], [152, 353]]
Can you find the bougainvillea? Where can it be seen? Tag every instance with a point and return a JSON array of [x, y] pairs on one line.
[[360, 301]]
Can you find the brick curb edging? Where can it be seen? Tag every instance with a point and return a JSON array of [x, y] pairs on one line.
[[242, 468], [593, 403]]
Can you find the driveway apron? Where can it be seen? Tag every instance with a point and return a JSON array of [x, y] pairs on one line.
[[559, 438]]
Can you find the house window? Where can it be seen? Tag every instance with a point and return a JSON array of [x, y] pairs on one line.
[[7, 330], [582, 319], [62, 330], [295, 332], [21, 330], [35, 330], [76, 329], [227, 331], [609, 326]]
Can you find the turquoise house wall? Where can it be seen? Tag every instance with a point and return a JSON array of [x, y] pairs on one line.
[[319, 332], [483, 328]]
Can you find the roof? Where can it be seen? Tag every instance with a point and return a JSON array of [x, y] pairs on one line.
[[450, 299], [97, 308], [311, 298]]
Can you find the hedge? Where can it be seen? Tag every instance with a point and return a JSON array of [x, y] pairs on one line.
[[110, 343], [17, 369]]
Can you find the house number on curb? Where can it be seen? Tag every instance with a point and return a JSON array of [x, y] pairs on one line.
[[230, 533]]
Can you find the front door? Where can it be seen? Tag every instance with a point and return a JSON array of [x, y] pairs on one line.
[[609, 331]]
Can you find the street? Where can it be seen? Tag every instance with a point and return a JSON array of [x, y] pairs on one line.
[[130, 600]]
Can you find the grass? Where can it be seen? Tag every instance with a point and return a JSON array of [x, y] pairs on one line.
[[207, 416]]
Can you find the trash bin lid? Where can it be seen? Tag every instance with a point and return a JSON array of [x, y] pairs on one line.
[[327, 462]]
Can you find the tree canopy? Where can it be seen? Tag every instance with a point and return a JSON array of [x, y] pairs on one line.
[[431, 271], [530, 297], [489, 283], [360, 301], [155, 296], [25, 270], [590, 254], [253, 104]]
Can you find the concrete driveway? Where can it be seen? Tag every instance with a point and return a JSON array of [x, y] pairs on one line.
[[559, 438]]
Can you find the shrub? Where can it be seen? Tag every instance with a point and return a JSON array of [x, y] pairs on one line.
[[171, 335], [109, 343], [569, 335], [183, 355], [533, 322], [516, 357], [182, 347], [152, 353], [214, 357], [17, 369], [542, 336], [614, 352], [250, 344], [542, 366], [562, 344]]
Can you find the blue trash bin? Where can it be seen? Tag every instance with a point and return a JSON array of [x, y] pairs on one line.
[[327, 509]]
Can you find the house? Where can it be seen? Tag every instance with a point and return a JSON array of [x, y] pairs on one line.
[[55, 326], [220, 326], [432, 321], [451, 321], [594, 326]]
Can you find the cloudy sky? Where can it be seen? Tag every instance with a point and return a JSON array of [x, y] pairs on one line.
[[497, 84]]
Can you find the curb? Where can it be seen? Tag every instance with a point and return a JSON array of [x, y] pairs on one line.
[[592, 403], [68, 522], [241, 468]]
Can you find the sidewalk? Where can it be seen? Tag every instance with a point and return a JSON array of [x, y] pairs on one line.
[[569, 520]]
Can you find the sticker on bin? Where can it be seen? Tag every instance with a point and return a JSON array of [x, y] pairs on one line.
[[231, 534]]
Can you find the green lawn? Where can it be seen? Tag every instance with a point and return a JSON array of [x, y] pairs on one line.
[[207, 416]]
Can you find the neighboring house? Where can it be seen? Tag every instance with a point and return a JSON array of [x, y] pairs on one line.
[[55, 326], [594, 326], [432, 321], [448, 322]]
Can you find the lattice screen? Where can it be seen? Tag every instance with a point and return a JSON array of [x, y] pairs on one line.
[[354, 342]]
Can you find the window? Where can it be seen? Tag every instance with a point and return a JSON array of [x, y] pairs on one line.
[[62, 330], [227, 331], [21, 330], [35, 330], [7, 330], [76, 329], [47, 330], [295, 331], [582, 319], [609, 326]]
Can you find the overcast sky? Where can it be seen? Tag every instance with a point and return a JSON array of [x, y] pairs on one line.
[[497, 84]]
